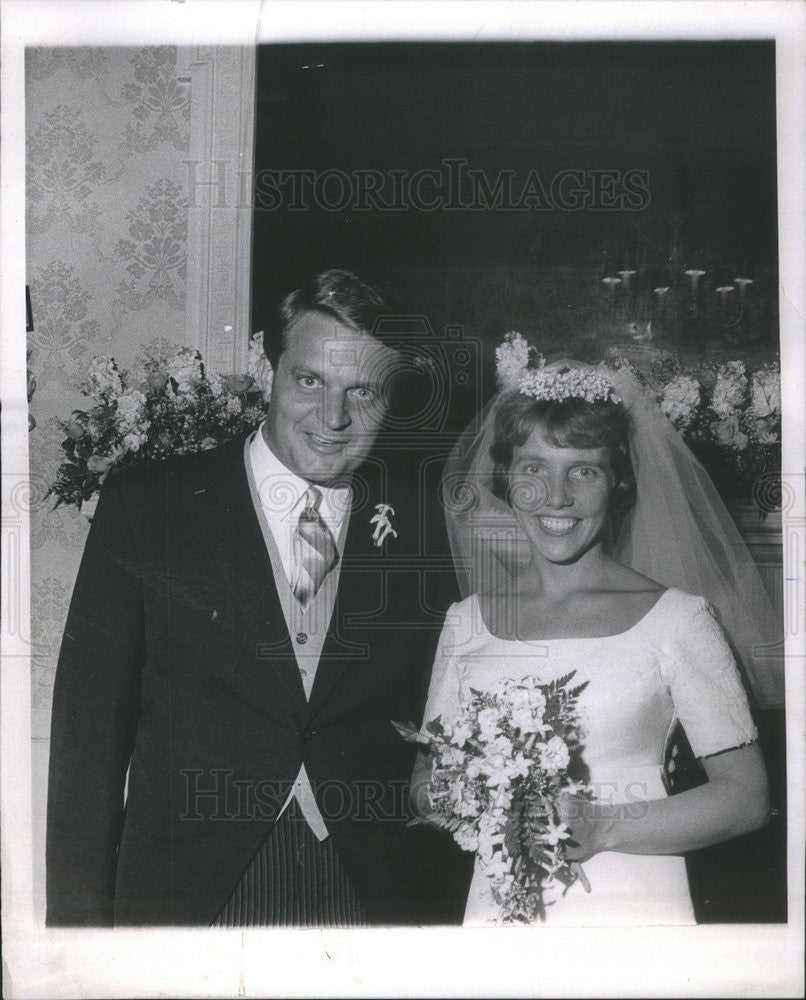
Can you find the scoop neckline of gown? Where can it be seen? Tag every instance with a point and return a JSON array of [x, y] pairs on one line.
[[574, 638]]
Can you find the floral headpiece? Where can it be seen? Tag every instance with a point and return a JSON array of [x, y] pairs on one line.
[[519, 366]]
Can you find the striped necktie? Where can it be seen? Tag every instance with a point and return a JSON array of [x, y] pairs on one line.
[[314, 548]]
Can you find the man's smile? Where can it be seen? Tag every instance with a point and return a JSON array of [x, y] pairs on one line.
[[327, 445]]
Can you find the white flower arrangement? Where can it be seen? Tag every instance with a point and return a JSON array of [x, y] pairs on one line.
[[680, 400], [167, 405], [573, 383], [519, 366], [765, 393], [729, 414], [730, 388], [728, 433], [513, 357], [497, 771]]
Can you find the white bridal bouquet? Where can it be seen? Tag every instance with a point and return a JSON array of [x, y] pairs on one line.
[[497, 771]]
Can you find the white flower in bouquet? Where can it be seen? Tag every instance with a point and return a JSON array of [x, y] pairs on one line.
[[257, 365], [519, 766], [765, 392], [133, 440], [185, 370], [461, 733], [501, 745], [496, 769], [764, 433], [218, 387], [131, 409], [556, 832], [728, 433], [730, 388], [554, 755], [681, 398], [525, 720], [103, 378], [497, 792], [488, 724]]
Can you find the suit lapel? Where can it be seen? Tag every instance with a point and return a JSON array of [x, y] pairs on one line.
[[230, 525]]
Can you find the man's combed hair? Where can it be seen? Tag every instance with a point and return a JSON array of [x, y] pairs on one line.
[[566, 423], [340, 294]]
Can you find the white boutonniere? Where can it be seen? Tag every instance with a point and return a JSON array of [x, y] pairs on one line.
[[383, 524]]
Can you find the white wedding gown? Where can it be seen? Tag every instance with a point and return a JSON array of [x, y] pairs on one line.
[[673, 662]]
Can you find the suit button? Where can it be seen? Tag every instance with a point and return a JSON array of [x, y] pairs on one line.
[[309, 734], [302, 638]]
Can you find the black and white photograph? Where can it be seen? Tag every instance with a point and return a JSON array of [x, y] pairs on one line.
[[403, 499]]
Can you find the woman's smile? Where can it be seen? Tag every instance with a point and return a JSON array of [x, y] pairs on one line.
[[557, 525]]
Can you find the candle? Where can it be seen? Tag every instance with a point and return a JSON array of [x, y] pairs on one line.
[[723, 293], [742, 284], [695, 276]]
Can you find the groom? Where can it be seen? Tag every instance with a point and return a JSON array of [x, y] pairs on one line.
[[245, 625]]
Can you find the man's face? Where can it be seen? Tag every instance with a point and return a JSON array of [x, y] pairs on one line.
[[329, 397]]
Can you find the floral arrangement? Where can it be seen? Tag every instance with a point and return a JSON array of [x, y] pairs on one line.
[[497, 771], [514, 357], [167, 405], [729, 414], [570, 384], [519, 366]]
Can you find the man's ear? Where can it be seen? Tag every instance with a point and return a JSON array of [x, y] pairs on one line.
[[264, 378]]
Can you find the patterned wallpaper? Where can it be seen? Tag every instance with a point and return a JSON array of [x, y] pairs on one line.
[[107, 218]]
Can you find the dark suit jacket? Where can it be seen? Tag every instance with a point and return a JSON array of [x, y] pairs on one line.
[[176, 666]]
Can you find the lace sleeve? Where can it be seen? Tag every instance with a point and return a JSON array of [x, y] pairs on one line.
[[703, 680]]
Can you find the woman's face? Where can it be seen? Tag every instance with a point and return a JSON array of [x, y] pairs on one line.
[[561, 496]]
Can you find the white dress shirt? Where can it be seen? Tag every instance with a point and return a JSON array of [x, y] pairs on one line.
[[282, 497]]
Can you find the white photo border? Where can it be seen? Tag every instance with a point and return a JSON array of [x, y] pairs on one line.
[[741, 960]]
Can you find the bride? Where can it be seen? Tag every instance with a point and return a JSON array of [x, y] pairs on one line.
[[574, 511]]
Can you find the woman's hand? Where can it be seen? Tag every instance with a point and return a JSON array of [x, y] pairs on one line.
[[588, 824], [419, 797]]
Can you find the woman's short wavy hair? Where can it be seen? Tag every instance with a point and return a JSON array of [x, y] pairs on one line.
[[566, 423]]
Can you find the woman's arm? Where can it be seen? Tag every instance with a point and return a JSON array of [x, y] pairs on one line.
[[418, 790], [734, 801], [443, 701]]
